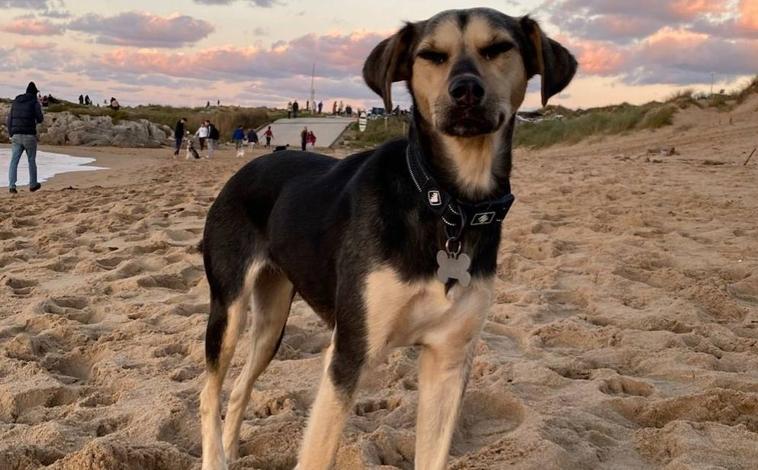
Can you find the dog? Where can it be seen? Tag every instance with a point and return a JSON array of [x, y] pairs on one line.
[[391, 247], [281, 148], [191, 151]]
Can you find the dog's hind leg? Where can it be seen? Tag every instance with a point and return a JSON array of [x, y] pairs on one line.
[[272, 297], [227, 321], [444, 366]]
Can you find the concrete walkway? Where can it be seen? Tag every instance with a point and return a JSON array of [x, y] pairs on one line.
[[287, 131]]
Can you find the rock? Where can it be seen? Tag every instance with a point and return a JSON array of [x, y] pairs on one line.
[[68, 129]]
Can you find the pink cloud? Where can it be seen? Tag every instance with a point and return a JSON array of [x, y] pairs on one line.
[[31, 44], [33, 26], [748, 18], [690, 9], [335, 56]]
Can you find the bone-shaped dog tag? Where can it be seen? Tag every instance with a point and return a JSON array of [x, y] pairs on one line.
[[453, 268]]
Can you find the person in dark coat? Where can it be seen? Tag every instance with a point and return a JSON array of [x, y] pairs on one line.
[[81, 99], [252, 138], [179, 134], [304, 139], [25, 114], [295, 109]]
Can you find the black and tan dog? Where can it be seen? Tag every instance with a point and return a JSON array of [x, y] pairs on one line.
[[392, 247]]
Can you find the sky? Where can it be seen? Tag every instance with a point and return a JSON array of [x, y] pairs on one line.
[[262, 52]]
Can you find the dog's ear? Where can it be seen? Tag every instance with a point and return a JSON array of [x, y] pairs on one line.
[[548, 58], [390, 62]]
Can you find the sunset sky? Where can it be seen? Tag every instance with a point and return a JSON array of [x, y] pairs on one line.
[[260, 52]]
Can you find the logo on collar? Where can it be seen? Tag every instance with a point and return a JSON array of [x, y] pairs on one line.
[[483, 218], [435, 198]]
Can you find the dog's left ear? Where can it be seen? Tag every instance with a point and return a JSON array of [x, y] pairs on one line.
[[390, 62], [549, 58]]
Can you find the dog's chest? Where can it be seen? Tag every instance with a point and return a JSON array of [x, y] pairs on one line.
[[404, 313]]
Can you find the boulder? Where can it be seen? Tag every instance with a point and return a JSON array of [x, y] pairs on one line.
[[68, 129]]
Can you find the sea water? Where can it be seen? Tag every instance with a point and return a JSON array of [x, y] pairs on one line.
[[48, 165]]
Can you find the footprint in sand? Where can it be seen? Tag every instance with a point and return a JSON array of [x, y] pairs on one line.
[[368, 407], [486, 417], [20, 287], [626, 386], [72, 307]]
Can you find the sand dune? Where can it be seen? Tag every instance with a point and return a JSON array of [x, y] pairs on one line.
[[624, 332]]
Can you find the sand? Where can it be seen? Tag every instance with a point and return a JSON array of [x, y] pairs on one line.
[[624, 332]]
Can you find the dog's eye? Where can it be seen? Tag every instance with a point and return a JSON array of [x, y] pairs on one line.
[[494, 50], [433, 56]]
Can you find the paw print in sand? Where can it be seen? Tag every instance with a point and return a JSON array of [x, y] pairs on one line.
[[453, 268]]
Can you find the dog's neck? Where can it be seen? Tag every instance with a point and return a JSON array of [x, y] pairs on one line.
[[472, 168]]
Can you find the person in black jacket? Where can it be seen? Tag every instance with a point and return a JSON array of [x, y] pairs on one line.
[[179, 134], [25, 114]]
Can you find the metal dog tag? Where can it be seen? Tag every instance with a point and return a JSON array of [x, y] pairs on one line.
[[451, 267]]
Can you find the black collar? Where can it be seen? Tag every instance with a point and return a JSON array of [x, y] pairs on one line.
[[456, 214]]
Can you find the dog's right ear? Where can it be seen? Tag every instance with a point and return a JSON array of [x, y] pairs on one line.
[[390, 62]]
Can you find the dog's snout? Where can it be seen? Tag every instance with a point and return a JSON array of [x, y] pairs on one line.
[[466, 90]]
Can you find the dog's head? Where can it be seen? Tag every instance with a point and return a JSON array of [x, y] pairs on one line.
[[467, 70]]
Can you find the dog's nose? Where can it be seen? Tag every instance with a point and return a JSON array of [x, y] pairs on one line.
[[466, 90]]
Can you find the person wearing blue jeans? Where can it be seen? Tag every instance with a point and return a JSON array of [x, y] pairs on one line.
[[25, 114]]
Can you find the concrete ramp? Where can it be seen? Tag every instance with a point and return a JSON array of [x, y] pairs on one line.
[[287, 131]]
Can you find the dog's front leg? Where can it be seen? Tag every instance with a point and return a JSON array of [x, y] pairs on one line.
[[444, 366]]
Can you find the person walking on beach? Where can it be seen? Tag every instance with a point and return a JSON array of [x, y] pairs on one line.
[[312, 139], [289, 110], [179, 135], [238, 136], [304, 139], [81, 99], [87, 101], [213, 137], [269, 134], [320, 106], [295, 109], [25, 114], [202, 134], [252, 138]]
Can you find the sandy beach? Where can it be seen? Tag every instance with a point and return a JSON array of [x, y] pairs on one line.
[[624, 332]]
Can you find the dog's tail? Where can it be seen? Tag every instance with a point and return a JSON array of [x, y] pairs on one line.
[[200, 245]]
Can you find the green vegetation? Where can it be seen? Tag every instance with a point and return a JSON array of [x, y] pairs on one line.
[[575, 126], [376, 132], [225, 118]]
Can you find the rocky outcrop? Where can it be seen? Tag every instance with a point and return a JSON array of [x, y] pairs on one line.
[[68, 129], [4, 108]]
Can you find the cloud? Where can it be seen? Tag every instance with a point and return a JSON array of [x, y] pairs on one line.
[[679, 56], [744, 24], [143, 29], [31, 44], [259, 3], [32, 26], [623, 22], [596, 57], [57, 14], [335, 56], [24, 3]]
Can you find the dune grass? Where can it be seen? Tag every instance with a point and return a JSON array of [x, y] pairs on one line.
[[601, 121], [225, 118]]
